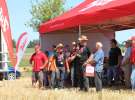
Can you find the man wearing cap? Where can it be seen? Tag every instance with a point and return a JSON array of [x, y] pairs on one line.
[[39, 61], [83, 55], [61, 64], [126, 63], [132, 60]]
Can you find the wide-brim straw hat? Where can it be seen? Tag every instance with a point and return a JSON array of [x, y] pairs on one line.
[[60, 45], [83, 38], [128, 41]]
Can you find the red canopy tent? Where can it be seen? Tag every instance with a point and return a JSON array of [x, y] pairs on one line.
[[90, 12]]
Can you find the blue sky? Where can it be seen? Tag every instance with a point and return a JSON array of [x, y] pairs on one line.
[[19, 15]]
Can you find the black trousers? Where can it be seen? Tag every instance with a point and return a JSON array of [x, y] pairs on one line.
[[83, 80]]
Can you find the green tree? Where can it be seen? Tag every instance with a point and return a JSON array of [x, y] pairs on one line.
[[14, 44], [33, 43], [44, 10]]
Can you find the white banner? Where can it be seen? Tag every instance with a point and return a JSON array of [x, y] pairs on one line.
[[89, 71], [22, 44]]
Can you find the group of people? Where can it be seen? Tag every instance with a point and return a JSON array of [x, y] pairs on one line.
[[63, 66], [128, 63]]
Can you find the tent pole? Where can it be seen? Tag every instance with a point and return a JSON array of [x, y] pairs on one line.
[[80, 31]]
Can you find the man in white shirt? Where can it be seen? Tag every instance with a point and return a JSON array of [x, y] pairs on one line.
[[126, 64]]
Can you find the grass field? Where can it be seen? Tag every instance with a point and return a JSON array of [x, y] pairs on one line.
[[21, 89], [25, 60]]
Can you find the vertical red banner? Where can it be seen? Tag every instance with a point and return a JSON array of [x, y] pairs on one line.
[[6, 31], [21, 46]]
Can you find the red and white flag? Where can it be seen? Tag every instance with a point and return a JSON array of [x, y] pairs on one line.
[[22, 44], [6, 30]]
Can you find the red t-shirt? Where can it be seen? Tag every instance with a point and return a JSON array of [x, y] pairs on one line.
[[38, 59], [132, 58]]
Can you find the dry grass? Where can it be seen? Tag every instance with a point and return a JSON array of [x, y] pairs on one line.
[[22, 90]]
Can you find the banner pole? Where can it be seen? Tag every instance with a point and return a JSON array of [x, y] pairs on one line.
[[80, 31]]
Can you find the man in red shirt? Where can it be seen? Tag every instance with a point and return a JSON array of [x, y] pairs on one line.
[[39, 62], [132, 60]]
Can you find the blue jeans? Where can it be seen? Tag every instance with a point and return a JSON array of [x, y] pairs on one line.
[[45, 78], [60, 75], [133, 77], [98, 81], [112, 73], [72, 75], [83, 80], [53, 79]]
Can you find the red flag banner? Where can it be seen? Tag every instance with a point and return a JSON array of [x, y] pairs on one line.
[[5, 29], [21, 46]]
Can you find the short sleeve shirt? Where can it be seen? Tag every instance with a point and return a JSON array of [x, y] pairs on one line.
[[113, 56], [99, 59], [60, 59], [84, 54], [38, 59]]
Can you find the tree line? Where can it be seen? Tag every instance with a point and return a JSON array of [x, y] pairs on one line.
[[30, 45]]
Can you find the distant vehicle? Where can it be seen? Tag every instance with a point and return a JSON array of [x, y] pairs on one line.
[[6, 72], [9, 74], [6, 45]]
